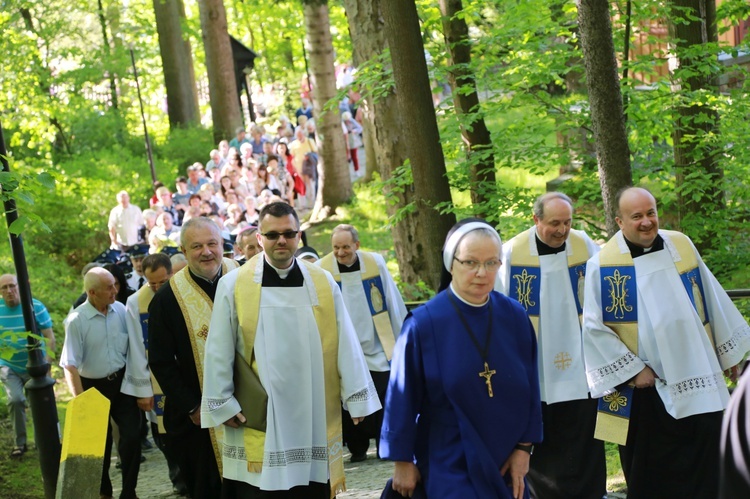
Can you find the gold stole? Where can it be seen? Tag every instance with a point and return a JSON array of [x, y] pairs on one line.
[[145, 295], [525, 270], [380, 314], [196, 307], [247, 293]]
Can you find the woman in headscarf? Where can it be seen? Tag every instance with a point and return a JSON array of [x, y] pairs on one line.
[[463, 410]]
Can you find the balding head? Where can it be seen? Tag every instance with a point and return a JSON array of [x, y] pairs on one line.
[[9, 290], [100, 288], [637, 216]]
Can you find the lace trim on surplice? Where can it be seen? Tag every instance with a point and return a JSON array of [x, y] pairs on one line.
[[213, 404], [364, 395], [738, 341], [609, 376], [696, 386]]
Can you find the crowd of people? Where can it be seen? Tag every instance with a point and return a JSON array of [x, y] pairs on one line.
[[257, 361]]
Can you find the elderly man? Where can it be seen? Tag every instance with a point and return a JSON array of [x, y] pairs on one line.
[[216, 161], [195, 181], [543, 268], [377, 312], [283, 322], [240, 137], [13, 372], [655, 317], [125, 222], [179, 314], [96, 355]]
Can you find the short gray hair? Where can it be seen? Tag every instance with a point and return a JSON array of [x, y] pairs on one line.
[[197, 223], [347, 228], [549, 196]]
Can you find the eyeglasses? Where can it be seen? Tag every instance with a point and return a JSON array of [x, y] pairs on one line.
[[272, 236], [8, 287], [473, 265]]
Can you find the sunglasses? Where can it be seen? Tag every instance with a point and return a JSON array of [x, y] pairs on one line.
[[272, 236]]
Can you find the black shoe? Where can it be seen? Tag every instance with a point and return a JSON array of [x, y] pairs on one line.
[[358, 458], [180, 489], [146, 445]]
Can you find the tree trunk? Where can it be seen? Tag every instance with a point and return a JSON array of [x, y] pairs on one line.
[[108, 54], [388, 150], [477, 140], [605, 99], [222, 84], [334, 184], [422, 139], [699, 196], [177, 63]]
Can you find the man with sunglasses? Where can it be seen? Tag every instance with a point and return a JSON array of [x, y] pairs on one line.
[[543, 268], [377, 311], [286, 320]]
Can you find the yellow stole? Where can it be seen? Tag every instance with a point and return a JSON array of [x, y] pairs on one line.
[[525, 273], [196, 307], [619, 296], [247, 293], [145, 295], [375, 297]]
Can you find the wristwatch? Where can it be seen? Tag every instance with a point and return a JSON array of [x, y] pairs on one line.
[[526, 448]]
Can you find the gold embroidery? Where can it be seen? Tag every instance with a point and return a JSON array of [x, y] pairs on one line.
[[523, 290], [203, 332], [619, 294], [616, 401], [563, 360]]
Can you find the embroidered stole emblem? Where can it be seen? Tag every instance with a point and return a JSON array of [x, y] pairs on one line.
[[247, 294], [526, 276], [375, 294], [145, 295], [196, 307]]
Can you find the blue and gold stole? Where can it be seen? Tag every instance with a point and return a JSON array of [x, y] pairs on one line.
[[619, 297], [145, 295], [526, 276], [375, 294]]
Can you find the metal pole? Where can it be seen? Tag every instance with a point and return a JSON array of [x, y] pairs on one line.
[[39, 388], [143, 119]]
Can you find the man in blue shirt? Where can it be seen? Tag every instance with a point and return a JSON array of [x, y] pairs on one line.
[[13, 369]]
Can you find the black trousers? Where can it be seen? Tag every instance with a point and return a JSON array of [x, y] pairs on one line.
[[124, 411], [569, 463], [357, 437], [240, 490], [175, 476], [668, 458], [197, 462]]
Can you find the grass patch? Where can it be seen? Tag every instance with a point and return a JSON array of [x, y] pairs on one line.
[[22, 478]]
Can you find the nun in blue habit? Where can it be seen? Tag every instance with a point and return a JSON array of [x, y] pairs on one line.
[[462, 410]]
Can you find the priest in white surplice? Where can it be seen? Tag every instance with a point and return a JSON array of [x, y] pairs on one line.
[[377, 312], [543, 268], [656, 318], [287, 319]]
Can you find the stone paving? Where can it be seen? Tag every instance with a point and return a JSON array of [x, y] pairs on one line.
[[364, 480]]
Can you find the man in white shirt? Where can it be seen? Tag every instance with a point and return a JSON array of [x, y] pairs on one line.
[[125, 222]]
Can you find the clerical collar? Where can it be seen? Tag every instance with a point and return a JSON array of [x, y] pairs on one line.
[[545, 249], [212, 282], [453, 290], [349, 268], [290, 277], [207, 285], [636, 251]]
